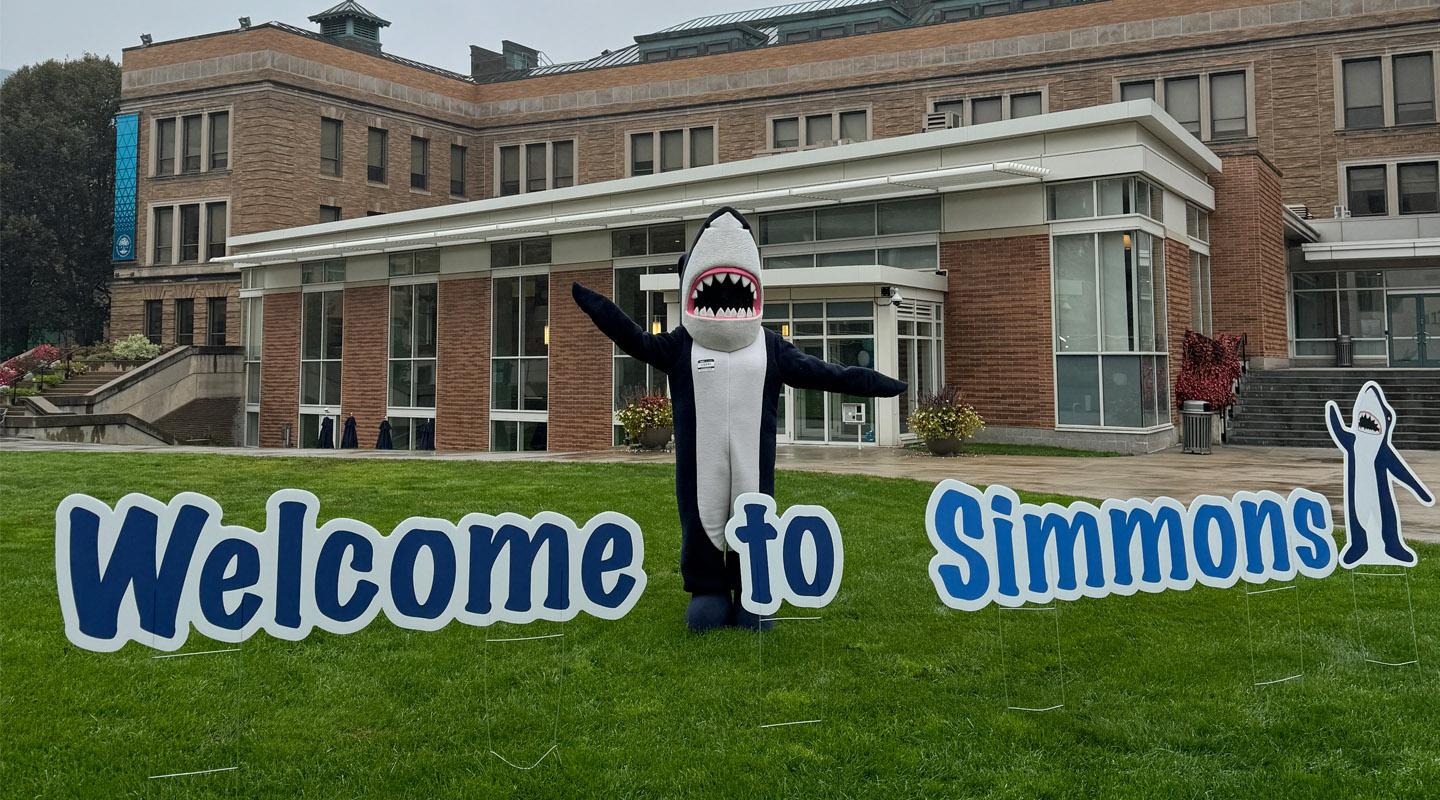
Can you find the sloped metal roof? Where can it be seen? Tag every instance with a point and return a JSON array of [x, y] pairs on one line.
[[761, 14], [349, 8]]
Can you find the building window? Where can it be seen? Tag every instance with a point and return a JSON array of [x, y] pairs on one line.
[[328, 271], [1108, 197], [412, 433], [165, 147], [819, 130], [1365, 187], [991, 108], [416, 262], [376, 147], [329, 213], [1364, 107], [671, 150], [220, 140], [412, 345], [633, 377], [190, 142], [1414, 88], [1210, 105], [189, 233], [215, 321], [1378, 92], [521, 335], [1137, 90], [331, 137], [536, 166], [1328, 304], [164, 235], [1419, 187], [253, 331], [185, 321], [920, 328], [1228, 112], [898, 233], [1182, 101], [322, 327], [215, 228], [520, 252], [1110, 349], [419, 163], [1197, 223], [457, 170], [1200, 293], [648, 240], [154, 320], [841, 332]]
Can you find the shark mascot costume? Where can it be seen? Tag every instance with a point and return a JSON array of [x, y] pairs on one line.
[[1371, 464], [725, 376]]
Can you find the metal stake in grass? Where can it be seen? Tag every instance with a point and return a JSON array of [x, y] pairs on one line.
[[1404, 575]]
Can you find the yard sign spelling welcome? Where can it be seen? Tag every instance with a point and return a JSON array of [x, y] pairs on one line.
[[147, 571]]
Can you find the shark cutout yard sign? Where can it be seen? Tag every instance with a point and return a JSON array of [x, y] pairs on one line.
[[992, 548]]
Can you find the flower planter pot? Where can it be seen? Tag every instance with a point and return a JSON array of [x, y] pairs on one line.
[[944, 447], [655, 438]]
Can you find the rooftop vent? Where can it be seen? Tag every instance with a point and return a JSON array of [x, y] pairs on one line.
[[352, 25]]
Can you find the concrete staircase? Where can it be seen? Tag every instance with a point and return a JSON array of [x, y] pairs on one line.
[[81, 384], [1286, 408]]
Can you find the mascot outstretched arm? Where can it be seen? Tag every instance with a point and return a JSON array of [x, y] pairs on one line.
[[726, 374]]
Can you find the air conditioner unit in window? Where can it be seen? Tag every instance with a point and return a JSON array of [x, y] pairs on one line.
[[1339, 212], [940, 120]]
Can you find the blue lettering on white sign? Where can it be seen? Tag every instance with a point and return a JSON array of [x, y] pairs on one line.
[[147, 571], [795, 558], [991, 548]]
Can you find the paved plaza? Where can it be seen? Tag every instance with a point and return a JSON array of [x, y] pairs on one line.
[[1173, 473]]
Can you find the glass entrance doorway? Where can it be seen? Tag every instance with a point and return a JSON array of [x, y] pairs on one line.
[[842, 332], [1414, 330]]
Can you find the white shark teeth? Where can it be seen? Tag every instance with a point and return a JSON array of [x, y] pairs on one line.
[[744, 281], [707, 280]]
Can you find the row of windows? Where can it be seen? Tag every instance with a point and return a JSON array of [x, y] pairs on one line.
[[1392, 90], [184, 310], [198, 228], [1405, 187], [1209, 106], [377, 148], [191, 143]]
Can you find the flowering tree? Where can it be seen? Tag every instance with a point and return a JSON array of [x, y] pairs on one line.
[[1209, 370]]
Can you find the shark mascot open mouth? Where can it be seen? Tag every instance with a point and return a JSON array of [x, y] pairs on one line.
[[726, 374]]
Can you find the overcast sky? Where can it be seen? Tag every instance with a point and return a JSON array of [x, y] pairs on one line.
[[437, 32]]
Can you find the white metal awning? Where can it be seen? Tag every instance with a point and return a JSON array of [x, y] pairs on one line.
[[1372, 250], [912, 184], [923, 281]]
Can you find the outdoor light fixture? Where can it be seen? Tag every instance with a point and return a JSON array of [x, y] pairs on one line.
[[145, 40], [546, 335], [244, 23], [785, 329], [1126, 240], [655, 326]]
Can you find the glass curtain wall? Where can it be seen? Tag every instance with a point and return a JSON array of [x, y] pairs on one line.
[[1110, 343], [519, 364], [921, 356]]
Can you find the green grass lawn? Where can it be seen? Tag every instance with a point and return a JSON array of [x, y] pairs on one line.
[[1157, 688]]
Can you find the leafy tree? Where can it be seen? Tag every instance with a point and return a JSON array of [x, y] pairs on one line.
[[57, 178]]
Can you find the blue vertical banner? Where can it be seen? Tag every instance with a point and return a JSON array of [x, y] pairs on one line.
[[127, 146]]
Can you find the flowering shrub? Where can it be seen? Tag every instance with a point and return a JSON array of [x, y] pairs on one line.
[[37, 359], [1208, 370], [46, 354], [944, 415], [647, 413], [135, 347], [9, 376]]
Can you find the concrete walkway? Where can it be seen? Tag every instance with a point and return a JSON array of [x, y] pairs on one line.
[[1227, 471]]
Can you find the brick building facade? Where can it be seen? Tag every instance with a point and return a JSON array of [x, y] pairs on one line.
[[302, 111]]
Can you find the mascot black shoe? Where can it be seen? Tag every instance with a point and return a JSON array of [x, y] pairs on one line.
[[726, 374]]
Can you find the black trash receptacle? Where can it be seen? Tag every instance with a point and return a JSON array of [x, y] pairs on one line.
[[1196, 427], [1344, 351]]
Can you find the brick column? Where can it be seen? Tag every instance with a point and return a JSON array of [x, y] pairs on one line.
[[364, 365], [998, 339], [462, 391], [280, 370], [1247, 255], [1178, 296], [581, 367]]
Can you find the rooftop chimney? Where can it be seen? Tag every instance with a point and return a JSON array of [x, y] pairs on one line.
[[513, 57]]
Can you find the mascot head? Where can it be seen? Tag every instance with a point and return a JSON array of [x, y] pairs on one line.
[[1372, 416], [720, 284]]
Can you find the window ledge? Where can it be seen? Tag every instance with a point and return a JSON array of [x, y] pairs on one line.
[[212, 173], [1399, 127], [425, 192], [338, 178], [377, 184]]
